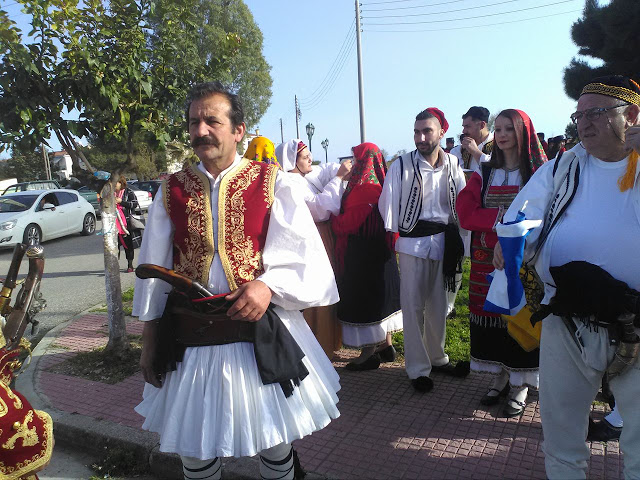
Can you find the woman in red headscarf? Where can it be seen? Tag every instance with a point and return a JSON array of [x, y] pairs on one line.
[[366, 268], [516, 154]]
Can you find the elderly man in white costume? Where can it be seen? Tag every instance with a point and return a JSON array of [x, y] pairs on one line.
[[587, 254], [418, 201], [215, 402], [322, 187]]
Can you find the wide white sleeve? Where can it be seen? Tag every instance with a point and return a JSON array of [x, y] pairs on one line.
[[389, 200], [296, 265], [533, 200], [326, 203], [150, 295]]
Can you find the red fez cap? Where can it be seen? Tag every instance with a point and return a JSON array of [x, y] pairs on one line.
[[436, 112]]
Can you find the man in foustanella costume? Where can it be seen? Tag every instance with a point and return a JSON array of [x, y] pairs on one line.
[[587, 254], [418, 201], [256, 379]]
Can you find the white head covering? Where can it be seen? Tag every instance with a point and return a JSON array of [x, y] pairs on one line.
[[287, 153]]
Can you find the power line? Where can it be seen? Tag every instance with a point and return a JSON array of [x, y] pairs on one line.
[[390, 1], [447, 11], [415, 6], [474, 26], [474, 17], [313, 99], [344, 42]]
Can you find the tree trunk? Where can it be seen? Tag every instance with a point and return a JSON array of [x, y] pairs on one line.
[[117, 332]]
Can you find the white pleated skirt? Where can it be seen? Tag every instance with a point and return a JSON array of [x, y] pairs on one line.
[[215, 405]]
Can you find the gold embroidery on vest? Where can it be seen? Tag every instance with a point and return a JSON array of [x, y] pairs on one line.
[[231, 222], [28, 435], [39, 459], [269, 184]]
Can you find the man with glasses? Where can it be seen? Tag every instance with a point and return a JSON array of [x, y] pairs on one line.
[[589, 244]]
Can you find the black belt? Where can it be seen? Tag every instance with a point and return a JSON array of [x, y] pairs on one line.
[[425, 228]]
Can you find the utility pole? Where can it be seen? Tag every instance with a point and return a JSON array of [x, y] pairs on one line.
[[360, 90], [281, 132], [298, 116], [45, 157]]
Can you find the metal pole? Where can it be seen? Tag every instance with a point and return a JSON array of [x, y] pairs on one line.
[[360, 89], [281, 132], [297, 117]]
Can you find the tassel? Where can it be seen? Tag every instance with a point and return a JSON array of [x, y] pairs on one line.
[[627, 181]]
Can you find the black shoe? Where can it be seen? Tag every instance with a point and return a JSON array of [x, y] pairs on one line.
[[602, 431], [452, 314], [387, 354], [460, 370], [489, 400], [370, 363], [422, 384], [514, 411]]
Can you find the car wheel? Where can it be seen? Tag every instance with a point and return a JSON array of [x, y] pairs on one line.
[[88, 224], [32, 234]]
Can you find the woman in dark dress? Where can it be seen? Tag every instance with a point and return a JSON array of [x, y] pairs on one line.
[[366, 268], [126, 204]]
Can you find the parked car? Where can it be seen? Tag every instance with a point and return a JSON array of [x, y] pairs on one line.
[[35, 185], [150, 186], [90, 196], [144, 198], [39, 215]]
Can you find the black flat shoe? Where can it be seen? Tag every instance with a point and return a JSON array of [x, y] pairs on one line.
[[387, 354], [514, 411], [460, 370], [489, 400], [422, 384], [602, 431], [370, 363]]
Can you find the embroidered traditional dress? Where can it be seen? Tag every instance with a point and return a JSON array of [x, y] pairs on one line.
[[215, 404], [480, 206], [366, 268]]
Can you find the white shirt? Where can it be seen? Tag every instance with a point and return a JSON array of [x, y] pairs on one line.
[[322, 191], [614, 243], [297, 269], [473, 164], [435, 206]]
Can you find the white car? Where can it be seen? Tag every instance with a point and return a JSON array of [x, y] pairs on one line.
[[36, 216], [145, 199]]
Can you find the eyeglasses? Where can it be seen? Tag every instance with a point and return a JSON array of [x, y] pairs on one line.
[[592, 113]]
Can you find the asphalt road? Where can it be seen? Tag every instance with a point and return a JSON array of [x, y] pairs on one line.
[[73, 277]]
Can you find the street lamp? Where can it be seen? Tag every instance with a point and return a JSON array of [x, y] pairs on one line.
[[325, 145], [310, 130]]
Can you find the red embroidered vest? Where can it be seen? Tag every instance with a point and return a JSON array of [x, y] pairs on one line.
[[245, 198]]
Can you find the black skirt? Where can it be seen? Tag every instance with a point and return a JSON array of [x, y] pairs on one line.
[[494, 344]]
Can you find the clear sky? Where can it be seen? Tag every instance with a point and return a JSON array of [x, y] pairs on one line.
[[451, 54], [471, 56]]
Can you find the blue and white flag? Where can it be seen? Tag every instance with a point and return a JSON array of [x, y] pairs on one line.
[[506, 294]]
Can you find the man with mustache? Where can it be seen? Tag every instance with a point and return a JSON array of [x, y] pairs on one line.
[[475, 147], [249, 378], [418, 201]]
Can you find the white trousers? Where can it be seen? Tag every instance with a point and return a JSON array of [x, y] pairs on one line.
[[569, 380], [424, 314]]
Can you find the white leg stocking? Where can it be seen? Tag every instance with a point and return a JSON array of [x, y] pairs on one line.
[[277, 462], [196, 469]]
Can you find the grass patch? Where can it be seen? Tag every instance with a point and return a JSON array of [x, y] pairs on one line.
[[457, 342], [127, 303], [101, 366], [118, 462]]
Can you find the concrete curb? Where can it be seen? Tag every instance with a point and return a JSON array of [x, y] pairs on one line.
[[96, 436]]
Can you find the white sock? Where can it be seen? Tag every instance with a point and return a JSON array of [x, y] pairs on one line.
[[614, 419], [519, 394], [277, 462], [194, 468], [499, 383]]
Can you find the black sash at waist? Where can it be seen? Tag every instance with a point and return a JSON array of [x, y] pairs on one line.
[[425, 228]]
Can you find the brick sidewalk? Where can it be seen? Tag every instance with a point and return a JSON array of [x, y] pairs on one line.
[[386, 429]]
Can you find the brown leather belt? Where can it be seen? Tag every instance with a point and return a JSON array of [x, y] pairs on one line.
[[195, 329]]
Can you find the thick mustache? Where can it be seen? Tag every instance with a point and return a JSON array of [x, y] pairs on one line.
[[203, 141]]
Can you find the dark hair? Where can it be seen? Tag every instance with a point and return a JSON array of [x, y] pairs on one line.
[[477, 113], [497, 155], [423, 115], [451, 139], [540, 135], [203, 90]]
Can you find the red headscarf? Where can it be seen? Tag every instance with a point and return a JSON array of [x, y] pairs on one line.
[[532, 144], [360, 201]]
